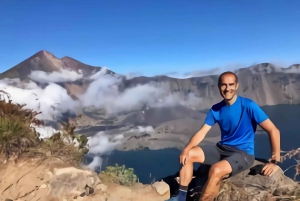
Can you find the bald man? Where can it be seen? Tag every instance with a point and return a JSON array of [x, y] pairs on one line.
[[237, 117]]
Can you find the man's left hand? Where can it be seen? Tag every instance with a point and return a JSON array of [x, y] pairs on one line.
[[269, 168]]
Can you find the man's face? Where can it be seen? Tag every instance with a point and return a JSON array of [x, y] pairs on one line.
[[228, 86]]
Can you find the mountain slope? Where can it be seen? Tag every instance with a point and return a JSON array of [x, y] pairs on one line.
[[46, 62], [114, 95], [264, 83]]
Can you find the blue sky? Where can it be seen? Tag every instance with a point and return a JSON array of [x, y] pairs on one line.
[[152, 37]]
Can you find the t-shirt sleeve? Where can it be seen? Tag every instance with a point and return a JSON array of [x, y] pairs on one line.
[[210, 119], [257, 113]]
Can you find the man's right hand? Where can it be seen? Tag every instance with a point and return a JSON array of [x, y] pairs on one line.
[[184, 155], [196, 139]]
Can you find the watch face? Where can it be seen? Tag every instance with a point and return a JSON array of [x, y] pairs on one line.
[[274, 161]]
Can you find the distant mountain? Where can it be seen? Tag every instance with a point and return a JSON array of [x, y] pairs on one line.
[[264, 83], [181, 98], [47, 62]]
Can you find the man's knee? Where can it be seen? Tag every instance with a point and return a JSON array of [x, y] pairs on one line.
[[220, 171], [196, 155], [216, 171]]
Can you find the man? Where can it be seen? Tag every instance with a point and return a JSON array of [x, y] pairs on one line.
[[237, 118]]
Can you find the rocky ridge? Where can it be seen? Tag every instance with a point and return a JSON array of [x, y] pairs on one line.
[[265, 83], [50, 179], [249, 185]]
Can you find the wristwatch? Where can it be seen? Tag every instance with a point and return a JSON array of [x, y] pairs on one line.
[[274, 162]]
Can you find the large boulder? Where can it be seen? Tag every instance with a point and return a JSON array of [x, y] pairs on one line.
[[248, 185], [51, 179], [258, 187], [46, 179]]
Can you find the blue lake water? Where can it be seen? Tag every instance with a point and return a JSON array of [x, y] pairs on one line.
[[152, 165]]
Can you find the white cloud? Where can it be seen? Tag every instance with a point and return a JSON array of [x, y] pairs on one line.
[[45, 131], [62, 76], [96, 163], [51, 101], [102, 143], [212, 71], [102, 93], [147, 129]]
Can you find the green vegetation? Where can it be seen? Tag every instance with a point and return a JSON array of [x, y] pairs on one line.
[[18, 136], [119, 175]]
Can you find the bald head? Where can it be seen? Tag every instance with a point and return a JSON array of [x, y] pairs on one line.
[[228, 85], [226, 74]]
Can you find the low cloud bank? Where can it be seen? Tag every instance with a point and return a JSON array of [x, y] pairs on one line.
[[52, 101], [63, 76], [103, 143], [103, 93], [100, 144]]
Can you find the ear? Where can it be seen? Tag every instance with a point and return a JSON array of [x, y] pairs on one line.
[[237, 86]]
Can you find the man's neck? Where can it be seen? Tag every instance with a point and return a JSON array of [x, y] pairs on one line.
[[231, 101]]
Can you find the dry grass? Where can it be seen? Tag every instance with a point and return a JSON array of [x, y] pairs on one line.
[[232, 191], [18, 135], [295, 154]]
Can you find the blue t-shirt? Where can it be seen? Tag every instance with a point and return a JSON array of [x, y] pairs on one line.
[[237, 122]]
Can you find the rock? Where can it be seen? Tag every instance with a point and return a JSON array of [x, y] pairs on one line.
[[248, 185], [258, 187], [147, 189], [101, 187], [88, 190], [48, 153], [161, 187], [142, 189], [43, 186], [73, 182]]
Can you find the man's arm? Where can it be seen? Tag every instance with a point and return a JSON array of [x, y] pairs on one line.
[[274, 134], [263, 120], [198, 137]]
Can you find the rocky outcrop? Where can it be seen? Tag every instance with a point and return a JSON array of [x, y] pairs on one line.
[[45, 179], [51, 179], [258, 187], [249, 185]]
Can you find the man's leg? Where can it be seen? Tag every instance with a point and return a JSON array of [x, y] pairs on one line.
[[217, 172], [196, 154], [234, 163]]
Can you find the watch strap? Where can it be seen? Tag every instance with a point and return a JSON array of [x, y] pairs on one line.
[[274, 162]]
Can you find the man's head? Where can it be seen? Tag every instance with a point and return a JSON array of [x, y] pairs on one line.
[[228, 84]]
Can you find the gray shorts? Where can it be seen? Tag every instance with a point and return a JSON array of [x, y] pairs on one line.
[[238, 159]]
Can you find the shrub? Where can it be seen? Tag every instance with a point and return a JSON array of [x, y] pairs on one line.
[[119, 174], [18, 136], [295, 154]]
